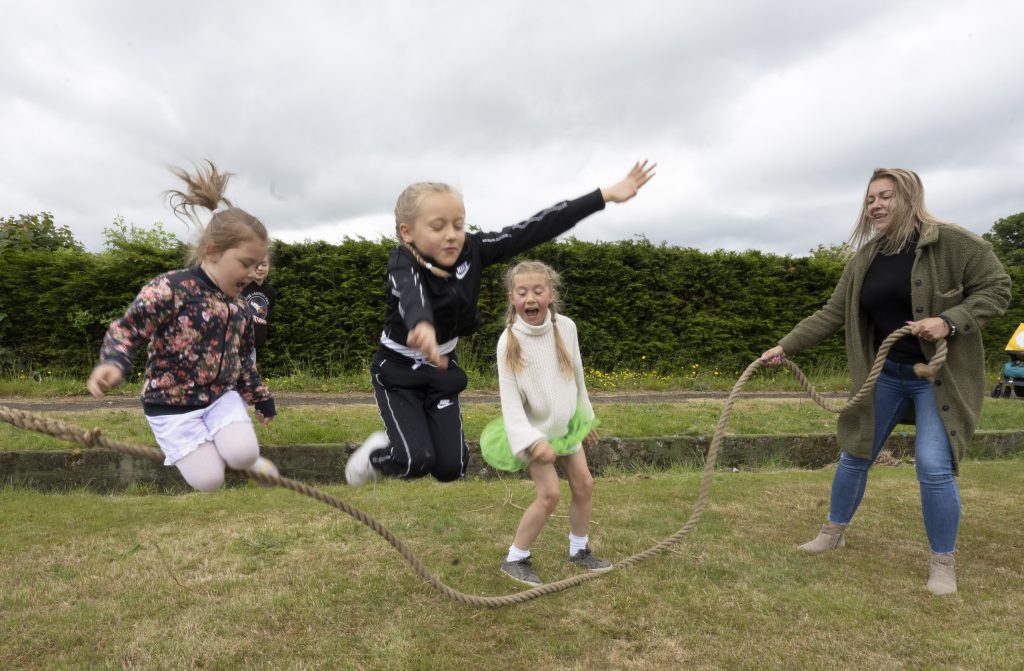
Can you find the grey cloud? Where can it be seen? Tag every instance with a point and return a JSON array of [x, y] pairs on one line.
[[767, 117]]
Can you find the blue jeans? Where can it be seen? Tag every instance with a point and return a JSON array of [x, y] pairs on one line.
[[940, 495]]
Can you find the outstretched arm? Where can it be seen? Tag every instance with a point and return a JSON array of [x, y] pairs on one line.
[[628, 187], [500, 246]]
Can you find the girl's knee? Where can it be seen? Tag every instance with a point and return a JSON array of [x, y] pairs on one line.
[[237, 445], [424, 464], [582, 485], [548, 498], [204, 481], [447, 474], [242, 457]]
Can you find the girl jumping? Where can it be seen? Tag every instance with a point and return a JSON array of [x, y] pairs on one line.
[[433, 285], [546, 414], [200, 335]]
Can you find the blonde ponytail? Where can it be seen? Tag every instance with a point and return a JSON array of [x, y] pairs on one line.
[[229, 226]]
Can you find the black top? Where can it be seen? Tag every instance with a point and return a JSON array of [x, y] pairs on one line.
[[414, 294], [885, 296], [261, 299]]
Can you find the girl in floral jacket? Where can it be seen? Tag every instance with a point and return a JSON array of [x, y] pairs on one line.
[[200, 336]]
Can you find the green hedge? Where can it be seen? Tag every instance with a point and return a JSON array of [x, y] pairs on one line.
[[639, 305]]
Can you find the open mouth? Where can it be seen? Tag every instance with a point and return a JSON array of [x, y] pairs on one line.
[[531, 312]]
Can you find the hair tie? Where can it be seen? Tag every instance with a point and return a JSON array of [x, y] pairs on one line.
[[219, 209]]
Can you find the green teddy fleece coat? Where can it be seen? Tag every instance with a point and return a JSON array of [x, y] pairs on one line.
[[955, 275]]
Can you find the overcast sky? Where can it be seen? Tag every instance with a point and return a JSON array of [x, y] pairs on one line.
[[766, 118]]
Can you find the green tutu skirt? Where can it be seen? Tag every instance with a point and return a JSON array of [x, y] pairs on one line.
[[497, 452]]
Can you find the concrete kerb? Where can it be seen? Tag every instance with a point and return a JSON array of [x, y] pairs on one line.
[[109, 471]]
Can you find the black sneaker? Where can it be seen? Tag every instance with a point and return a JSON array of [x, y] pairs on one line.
[[585, 559], [521, 571]]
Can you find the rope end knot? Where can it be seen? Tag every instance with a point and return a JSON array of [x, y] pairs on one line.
[[926, 371], [92, 436]]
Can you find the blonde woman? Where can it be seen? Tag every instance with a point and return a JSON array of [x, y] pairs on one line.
[[909, 268]]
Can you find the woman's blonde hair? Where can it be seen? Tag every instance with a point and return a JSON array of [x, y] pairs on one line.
[[909, 214], [408, 208], [513, 350], [229, 227]]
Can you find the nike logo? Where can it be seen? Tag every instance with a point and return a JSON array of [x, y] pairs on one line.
[[443, 403], [461, 271]]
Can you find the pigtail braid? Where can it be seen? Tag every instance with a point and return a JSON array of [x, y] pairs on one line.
[[437, 272], [513, 350], [564, 360]]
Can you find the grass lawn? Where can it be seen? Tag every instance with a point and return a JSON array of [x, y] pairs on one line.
[[266, 579], [692, 378], [352, 423]]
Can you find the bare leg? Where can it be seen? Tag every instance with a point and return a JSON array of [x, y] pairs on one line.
[[581, 482], [546, 479]]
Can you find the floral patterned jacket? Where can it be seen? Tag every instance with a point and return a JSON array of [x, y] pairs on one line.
[[200, 343]]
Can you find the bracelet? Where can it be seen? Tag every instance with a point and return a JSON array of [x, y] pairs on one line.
[[951, 325]]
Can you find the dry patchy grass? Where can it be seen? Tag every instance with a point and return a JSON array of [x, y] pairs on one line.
[[266, 579]]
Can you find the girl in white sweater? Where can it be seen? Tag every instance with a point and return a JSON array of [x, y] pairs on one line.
[[546, 415]]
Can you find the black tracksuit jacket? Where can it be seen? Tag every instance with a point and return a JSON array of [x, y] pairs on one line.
[[450, 303]]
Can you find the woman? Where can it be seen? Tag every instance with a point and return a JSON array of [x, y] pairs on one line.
[[909, 268]]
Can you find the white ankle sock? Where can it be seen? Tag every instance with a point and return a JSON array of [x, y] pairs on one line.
[[515, 554], [577, 543]]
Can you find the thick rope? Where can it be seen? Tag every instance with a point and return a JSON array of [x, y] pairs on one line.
[[94, 438]]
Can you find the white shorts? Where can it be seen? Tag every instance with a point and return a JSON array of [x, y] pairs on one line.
[[181, 435]]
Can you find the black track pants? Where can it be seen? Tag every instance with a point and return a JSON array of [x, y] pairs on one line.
[[422, 416]]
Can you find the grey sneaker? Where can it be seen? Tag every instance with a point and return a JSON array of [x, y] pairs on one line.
[[359, 470], [586, 559], [521, 571]]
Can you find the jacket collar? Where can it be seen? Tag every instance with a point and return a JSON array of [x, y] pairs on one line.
[[929, 235], [205, 280]]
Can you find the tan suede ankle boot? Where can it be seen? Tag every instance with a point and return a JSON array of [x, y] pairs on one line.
[[941, 574], [829, 538]]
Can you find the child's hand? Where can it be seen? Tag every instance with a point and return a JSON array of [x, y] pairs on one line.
[[542, 453], [591, 439], [424, 338], [627, 188], [773, 356], [104, 376]]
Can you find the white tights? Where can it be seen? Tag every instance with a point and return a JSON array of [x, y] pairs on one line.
[[234, 445]]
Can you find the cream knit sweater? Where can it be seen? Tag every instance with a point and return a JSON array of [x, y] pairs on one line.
[[538, 401]]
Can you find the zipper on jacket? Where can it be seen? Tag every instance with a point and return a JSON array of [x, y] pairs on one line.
[[224, 344]]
